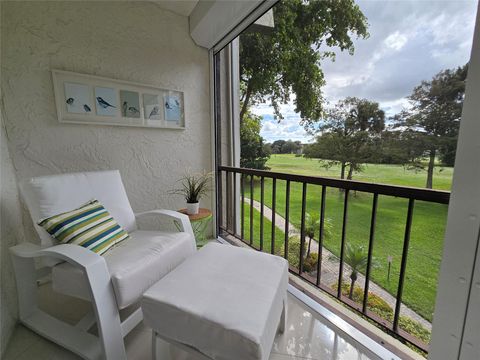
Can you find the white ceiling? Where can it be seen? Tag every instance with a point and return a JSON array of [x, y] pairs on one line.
[[181, 7]]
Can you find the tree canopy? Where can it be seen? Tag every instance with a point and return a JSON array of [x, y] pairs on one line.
[[434, 117], [254, 152], [285, 146], [285, 63], [347, 135]]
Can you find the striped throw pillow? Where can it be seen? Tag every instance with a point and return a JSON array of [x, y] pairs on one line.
[[90, 226]]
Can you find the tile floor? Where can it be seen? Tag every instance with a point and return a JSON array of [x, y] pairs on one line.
[[308, 336]]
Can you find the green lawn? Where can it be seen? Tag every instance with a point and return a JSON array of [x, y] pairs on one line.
[[267, 231], [386, 174], [427, 230]]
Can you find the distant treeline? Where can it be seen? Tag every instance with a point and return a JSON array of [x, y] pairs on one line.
[[284, 147]]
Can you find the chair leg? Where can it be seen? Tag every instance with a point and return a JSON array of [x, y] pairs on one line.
[[283, 318], [25, 276], [154, 346], [106, 311], [160, 348]]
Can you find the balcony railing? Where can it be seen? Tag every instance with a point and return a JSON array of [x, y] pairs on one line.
[[233, 183]]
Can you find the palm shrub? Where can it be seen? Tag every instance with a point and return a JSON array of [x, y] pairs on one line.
[[293, 256], [293, 251], [310, 263], [312, 225], [357, 258]]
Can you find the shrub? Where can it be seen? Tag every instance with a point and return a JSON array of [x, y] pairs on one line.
[[293, 251], [380, 307], [414, 328], [310, 263], [375, 303]]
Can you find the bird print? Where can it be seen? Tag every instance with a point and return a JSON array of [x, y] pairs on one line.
[[133, 109], [167, 105], [86, 108], [124, 108], [70, 101], [103, 103], [153, 112]]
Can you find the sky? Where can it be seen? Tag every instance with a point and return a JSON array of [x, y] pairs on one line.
[[409, 41]]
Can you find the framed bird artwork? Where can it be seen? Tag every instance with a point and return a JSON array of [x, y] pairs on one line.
[[173, 108], [77, 98], [152, 107], [106, 101], [89, 99], [130, 101]]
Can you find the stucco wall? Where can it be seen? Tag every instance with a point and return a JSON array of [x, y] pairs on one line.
[[11, 233], [133, 41]]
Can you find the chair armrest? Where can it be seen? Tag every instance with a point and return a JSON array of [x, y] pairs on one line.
[[100, 286], [74, 254], [184, 220]]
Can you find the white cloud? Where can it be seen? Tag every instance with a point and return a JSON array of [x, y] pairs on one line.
[[395, 41], [409, 41], [395, 106], [288, 128]]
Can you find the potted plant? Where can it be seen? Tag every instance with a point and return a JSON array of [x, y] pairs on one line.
[[194, 187]]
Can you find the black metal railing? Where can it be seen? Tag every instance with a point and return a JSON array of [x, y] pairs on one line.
[[227, 225]]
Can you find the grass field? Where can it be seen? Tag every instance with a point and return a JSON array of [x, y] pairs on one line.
[[386, 174], [267, 231], [427, 230]]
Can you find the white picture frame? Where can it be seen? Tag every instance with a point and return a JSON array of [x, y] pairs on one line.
[[95, 100]]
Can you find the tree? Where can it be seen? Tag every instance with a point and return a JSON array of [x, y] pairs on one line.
[[311, 225], [254, 153], [357, 258], [287, 59], [434, 117], [348, 133], [277, 146], [290, 147], [400, 147], [285, 146]]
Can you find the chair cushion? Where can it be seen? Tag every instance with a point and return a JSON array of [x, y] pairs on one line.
[[47, 196], [134, 264], [90, 226]]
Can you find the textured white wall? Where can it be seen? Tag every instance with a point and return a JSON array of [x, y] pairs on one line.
[[11, 233], [134, 41]]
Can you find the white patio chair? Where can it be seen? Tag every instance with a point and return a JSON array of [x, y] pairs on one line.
[[111, 282]]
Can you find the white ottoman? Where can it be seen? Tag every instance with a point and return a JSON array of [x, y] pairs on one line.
[[224, 303]]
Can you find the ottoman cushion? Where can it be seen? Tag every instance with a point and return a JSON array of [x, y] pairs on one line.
[[225, 302]]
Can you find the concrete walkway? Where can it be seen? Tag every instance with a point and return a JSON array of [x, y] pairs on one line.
[[330, 268]]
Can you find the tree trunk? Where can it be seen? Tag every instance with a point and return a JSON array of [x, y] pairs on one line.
[[309, 244], [352, 285], [431, 165], [342, 176], [244, 109], [350, 172]]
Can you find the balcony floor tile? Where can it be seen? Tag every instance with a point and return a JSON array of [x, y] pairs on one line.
[[307, 336]]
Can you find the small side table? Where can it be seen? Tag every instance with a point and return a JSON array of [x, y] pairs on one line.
[[199, 223]]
